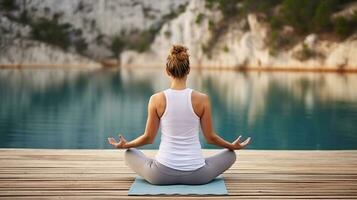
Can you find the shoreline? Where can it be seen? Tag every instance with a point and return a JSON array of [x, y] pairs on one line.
[[194, 67], [50, 66], [264, 69]]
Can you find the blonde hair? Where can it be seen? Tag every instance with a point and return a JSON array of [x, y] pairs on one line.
[[178, 63]]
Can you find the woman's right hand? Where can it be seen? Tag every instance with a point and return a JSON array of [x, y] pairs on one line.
[[120, 145], [240, 145]]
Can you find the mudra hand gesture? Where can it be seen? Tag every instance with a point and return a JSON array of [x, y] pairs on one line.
[[120, 144], [240, 145]]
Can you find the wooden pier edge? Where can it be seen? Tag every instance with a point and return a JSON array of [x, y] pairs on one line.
[[102, 174]]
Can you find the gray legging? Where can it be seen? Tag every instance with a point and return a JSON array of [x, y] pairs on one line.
[[158, 174]]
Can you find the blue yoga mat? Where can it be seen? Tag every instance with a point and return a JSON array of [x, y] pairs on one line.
[[142, 187]]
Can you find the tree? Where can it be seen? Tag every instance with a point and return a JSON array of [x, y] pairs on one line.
[[8, 5], [117, 45], [322, 15], [299, 13]]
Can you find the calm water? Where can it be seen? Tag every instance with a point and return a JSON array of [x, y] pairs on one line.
[[80, 109]]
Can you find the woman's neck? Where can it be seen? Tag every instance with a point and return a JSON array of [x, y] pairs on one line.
[[178, 84]]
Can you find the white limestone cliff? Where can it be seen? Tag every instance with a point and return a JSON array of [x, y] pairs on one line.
[[239, 47], [95, 18], [25, 53], [243, 44]]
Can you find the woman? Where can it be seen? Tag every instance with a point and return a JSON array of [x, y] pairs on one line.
[[180, 112]]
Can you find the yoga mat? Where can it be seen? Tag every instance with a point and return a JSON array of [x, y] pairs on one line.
[[142, 187]]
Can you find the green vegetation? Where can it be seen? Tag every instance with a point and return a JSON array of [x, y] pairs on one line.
[[80, 45], [63, 35], [345, 27], [321, 19], [305, 53], [167, 34], [46, 29], [232, 10], [173, 14], [148, 12], [211, 25], [259, 6], [7, 5], [141, 40], [52, 32], [226, 49], [199, 18], [99, 39], [24, 18], [117, 45], [301, 16], [305, 16], [308, 16], [289, 20]]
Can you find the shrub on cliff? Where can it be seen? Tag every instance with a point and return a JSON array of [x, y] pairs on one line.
[[259, 6], [305, 53], [302, 16], [7, 5], [345, 26], [199, 18], [52, 32], [80, 45], [324, 10], [62, 35], [141, 40], [117, 45], [298, 13]]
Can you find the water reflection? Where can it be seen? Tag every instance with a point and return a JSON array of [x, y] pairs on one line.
[[79, 109]]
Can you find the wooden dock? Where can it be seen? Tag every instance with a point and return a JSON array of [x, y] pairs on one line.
[[102, 174]]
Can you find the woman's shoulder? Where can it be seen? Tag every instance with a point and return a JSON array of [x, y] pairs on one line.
[[158, 99], [158, 102], [199, 102], [159, 96], [199, 96]]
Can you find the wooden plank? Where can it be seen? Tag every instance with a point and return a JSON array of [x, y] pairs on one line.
[[180, 197], [89, 174]]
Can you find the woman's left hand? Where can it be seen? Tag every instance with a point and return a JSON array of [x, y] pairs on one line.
[[120, 145], [237, 144]]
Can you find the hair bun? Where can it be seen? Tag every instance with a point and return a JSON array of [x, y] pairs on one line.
[[179, 51]]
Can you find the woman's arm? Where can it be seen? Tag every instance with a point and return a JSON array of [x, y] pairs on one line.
[[209, 134], [148, 137]]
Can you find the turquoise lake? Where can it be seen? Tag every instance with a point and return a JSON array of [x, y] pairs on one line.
[[76, 109]]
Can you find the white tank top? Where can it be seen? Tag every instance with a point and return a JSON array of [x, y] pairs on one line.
[[180, 147]]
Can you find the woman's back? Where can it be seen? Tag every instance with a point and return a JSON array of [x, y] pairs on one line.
[[180, 112], [180, 147]]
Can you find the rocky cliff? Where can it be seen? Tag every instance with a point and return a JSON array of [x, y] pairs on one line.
[[75, 32], [242, 45], [141, 32]]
